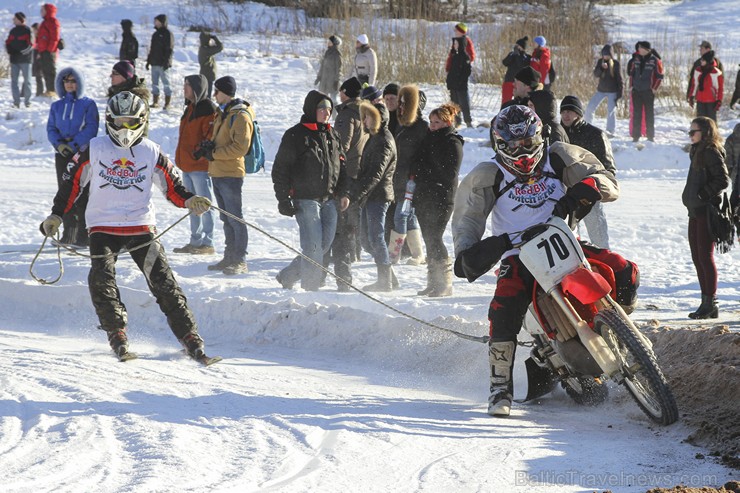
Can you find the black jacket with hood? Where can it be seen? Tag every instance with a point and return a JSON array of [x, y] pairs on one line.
[[129, 44], [547, 109], [457, 76], [378, 163], [309, 163], [162, 46], [437, 167]]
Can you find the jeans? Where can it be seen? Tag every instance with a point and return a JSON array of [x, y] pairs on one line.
[[595, 222], [374, 213], [462, 99], [201, 227], [317, 225], [17, 69], [228, 192], [402, 224], [611, 109], [157, 72]]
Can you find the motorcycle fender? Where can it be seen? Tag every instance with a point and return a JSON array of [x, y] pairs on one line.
[[585, 285], [540, 381]]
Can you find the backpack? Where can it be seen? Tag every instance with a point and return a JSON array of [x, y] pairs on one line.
[[254, 159]]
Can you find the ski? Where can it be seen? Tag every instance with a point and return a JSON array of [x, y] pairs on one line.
[[127, 356]]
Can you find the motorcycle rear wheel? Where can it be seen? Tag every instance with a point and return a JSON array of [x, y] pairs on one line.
[[586, 391], [642, 375]]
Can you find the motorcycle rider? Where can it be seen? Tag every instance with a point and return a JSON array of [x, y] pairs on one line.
[[526, 183]]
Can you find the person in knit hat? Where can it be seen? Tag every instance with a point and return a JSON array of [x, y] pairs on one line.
[[591, 138], [365, 66], [123, 78], [611, 87], [371, 93], [19, 45], [541, 60], [129, 49], [331, 66], [351, 88], [309, 177], [160, 60], [517, 59]]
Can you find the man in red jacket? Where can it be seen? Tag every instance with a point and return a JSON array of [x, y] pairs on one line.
[[47, 46]]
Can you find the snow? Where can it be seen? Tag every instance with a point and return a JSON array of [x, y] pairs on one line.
[[319, 391]]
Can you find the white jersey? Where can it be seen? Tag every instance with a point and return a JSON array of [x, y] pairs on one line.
[[121, 183], [525, 204]]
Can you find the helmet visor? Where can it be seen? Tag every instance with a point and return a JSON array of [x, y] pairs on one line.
[[129, 122]]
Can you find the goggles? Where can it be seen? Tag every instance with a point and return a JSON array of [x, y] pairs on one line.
[[129, 122], [528, 144]]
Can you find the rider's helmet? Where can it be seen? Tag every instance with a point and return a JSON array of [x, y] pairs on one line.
[[125, 118], [517, 135]]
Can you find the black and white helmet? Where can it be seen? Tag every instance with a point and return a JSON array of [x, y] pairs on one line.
[[517, 133], [125, 118]]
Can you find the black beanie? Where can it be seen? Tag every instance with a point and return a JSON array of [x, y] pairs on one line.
[[523, 42], [391, 88], [572, 103], [20, 16], [226, 85], [643, 44], [161, 18], [528, 76], [351, 87]]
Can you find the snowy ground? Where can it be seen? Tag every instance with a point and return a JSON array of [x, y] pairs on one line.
[[318, 391]]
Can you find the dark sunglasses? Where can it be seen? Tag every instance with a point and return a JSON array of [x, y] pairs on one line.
[[693, 131], [70, 81]]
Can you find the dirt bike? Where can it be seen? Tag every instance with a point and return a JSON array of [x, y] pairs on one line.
[[582, 337]]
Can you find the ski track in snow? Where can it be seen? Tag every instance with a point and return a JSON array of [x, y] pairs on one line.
[[318, 391]]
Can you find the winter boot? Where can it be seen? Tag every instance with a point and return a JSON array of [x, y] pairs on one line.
[[118, 341], [395, 245], [413, 240], [442, 279], [193, 344], [501, 359], [627, 281], [155, 100], [707, 309], [430, 280], [384, 282], [167, 100]]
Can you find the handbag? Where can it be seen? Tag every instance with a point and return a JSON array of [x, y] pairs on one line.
[[60, 45], [721, 224]]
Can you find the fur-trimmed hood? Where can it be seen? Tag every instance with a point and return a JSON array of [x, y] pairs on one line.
[[412, 105], [367, 108], [59, 82]]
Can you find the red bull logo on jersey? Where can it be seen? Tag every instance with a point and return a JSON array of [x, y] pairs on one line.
[[534, 193], [122, 174]]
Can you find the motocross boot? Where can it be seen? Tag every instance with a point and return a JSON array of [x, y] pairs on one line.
[[501, 359], [118, 341], [627, 281], [193, 344]]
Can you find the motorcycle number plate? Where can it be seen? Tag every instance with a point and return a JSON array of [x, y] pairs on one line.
[[552, 254]]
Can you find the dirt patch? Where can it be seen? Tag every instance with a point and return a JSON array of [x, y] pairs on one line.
[[730, 487], [702, 366]]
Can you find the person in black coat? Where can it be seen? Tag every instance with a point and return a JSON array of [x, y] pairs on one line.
[[160, 60], [436, 170], [593, 139], [373, 188], [307, 174], [543, 103], [736, 93], [705, 182], [517, 59], [610, 87], [209, 47], [129, 50], [19, 46], [458, 72]]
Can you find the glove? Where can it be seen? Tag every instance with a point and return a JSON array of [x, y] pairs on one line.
[[481, 257], [580, 194], [691, 102], [148, 66], [205, 149], [50, 226], [198, 205], [286, 208], [66, 150], [717, 104]]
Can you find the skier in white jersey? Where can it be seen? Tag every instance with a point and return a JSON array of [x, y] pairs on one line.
[[121, 169]]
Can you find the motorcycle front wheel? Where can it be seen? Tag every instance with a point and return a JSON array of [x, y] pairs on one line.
[[642, 376], [586, 391]]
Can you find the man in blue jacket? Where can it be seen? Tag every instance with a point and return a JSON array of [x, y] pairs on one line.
[[73, 121]]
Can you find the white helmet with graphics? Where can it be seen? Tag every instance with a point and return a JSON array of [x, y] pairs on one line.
[[125, 118]]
